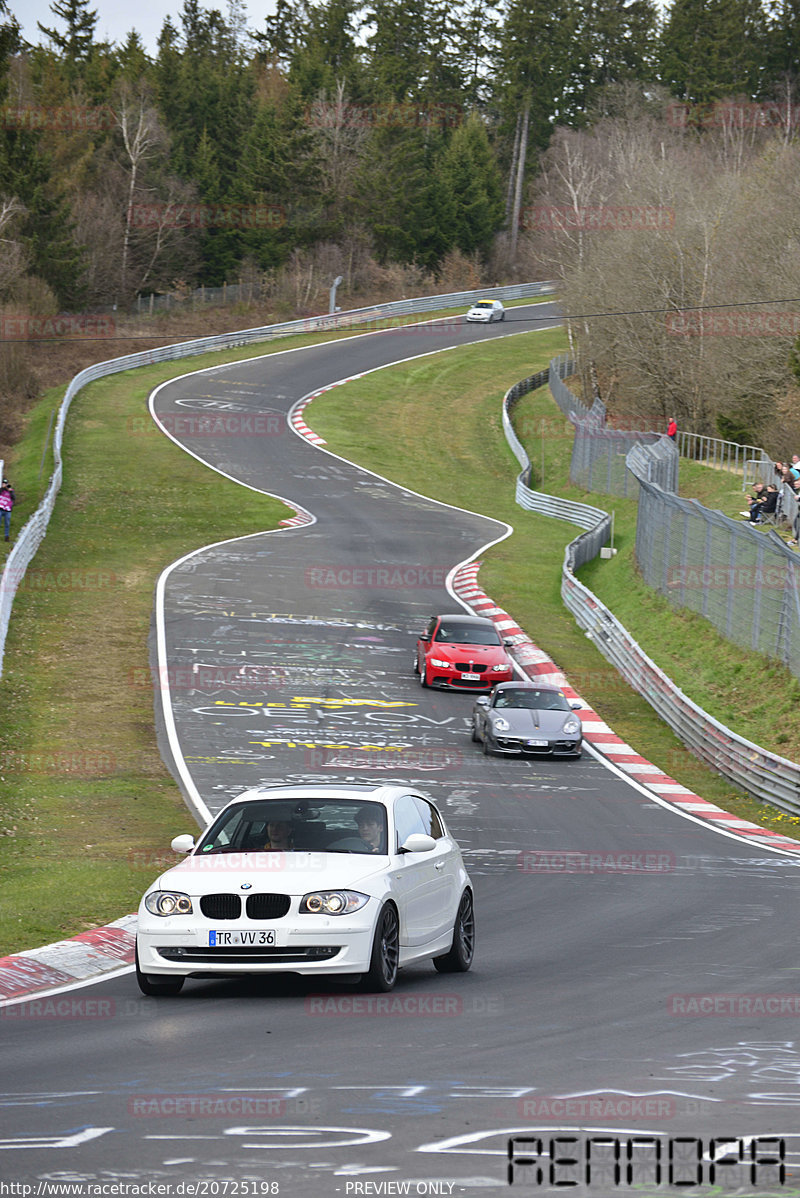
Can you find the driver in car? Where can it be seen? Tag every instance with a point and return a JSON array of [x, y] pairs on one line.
[[369, 829], [280, 836]]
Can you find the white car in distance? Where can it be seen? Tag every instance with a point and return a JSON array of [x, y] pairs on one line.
[[310, 879], [487, 311]]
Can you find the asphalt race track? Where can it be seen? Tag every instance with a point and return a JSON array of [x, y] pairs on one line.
[[641, 1011]]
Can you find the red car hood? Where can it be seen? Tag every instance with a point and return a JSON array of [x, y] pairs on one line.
[[491, 655]]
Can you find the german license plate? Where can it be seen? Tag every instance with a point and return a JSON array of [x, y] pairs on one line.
[[538, 744], [470, 677], [238, 939]]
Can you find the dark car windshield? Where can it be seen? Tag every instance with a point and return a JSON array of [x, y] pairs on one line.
[[328, 825], [467, 634], [533, 699]]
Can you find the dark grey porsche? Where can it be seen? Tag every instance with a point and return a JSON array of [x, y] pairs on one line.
[[527, 718]]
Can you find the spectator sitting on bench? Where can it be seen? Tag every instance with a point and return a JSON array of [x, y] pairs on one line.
[[769, 503], [754, 503]]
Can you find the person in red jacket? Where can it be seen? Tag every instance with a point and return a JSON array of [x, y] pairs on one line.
[[672, 429]]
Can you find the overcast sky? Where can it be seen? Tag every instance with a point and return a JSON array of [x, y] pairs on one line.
[[115, 18]]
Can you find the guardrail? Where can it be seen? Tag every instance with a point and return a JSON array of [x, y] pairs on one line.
[[33, 531], [760, 773]]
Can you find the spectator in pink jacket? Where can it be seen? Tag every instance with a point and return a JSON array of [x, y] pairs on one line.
[[7, 500]]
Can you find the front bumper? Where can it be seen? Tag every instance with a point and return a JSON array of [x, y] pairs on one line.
[[555, 748], [323, 944], [452, 680]]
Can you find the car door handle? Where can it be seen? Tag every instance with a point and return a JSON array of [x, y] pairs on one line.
[[440, 864]]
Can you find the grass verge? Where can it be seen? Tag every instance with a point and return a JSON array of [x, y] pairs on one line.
[[376, 421], [86, 805]]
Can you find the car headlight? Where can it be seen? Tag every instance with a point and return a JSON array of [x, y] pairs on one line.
[[500, 724], [572, 725], [332, 902], [168, 902], [441, 665], [497, 669]]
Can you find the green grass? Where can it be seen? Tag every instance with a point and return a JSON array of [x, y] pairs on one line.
[[376, 421]]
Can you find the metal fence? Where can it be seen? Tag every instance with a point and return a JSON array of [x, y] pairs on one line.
[[32, 533], [599, 453], [765, 775], [744, 581], [721, 455]]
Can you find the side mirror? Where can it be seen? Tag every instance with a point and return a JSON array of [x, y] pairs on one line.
[[482, 701], [576, 705], [182, 844], [418, 842], [508, 642]]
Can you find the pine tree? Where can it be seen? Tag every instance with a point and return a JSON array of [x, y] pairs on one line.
[[470, 174], [75, 44], [324, 51], [714, 48], [615, 41], [783, 40]]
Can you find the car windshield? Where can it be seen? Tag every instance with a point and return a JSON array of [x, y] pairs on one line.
[[533, 699], [326, 825], [467, 634], [484, 304]]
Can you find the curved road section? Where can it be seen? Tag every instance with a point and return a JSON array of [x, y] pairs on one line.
[[629, 1022]]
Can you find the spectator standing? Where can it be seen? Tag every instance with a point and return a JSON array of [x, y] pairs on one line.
[[7, 501], [672, 429]]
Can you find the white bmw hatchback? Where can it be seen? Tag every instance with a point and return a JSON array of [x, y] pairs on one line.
[[316, 879]]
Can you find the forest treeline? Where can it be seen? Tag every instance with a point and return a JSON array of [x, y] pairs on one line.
[[646, 159]]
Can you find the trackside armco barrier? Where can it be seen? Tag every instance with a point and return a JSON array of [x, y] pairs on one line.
[[33, 532], [764, 775]]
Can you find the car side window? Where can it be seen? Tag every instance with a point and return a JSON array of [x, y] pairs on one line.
[[430, 818], [407, 818], [431, 626]]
